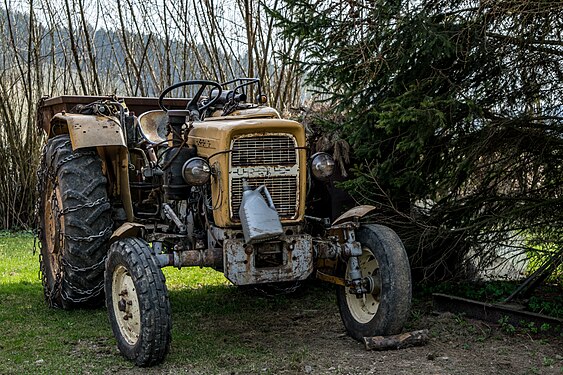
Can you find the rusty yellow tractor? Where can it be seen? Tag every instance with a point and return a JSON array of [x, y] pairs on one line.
[[131, 185]]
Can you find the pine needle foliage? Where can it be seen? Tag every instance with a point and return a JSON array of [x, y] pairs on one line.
[[454, 114]]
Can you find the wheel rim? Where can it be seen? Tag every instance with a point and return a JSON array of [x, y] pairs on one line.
[[126, 305], [364, 309], [54, 229]]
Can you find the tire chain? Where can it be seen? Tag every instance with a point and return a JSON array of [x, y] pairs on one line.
[[88, 238], [88, 294], [97, 202], [229, 107], [85, 269], [45, 174]]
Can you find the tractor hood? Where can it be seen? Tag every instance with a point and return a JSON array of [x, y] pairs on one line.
[[258, 146]]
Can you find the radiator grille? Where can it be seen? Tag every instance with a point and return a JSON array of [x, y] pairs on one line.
[[282, 189], [269, 150]]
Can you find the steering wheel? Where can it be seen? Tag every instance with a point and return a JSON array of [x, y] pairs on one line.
[[193, 106], [240, 83]]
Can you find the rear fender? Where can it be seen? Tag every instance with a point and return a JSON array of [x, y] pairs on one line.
[[106, 135], [89, 130]]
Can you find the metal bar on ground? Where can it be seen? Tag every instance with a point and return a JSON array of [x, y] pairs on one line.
[[489, 311]]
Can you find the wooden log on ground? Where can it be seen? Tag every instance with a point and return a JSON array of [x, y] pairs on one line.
[[404, 340]]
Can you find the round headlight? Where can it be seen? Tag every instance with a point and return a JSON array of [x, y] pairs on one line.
[[322, 165], [196, 171]]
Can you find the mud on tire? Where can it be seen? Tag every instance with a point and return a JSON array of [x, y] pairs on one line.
[[74, 225]]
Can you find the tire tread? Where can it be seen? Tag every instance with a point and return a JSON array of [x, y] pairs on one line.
[[396, 285], [156, 323], [81, 182]]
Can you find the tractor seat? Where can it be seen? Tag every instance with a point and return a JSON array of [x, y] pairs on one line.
[[154, 126]]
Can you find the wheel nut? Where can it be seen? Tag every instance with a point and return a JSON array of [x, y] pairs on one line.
[[121, 305]]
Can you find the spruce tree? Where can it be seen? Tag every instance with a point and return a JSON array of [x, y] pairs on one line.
[[453, 112]]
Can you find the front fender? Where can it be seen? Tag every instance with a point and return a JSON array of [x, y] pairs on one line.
[[355, 213], [128, 229], [342, 243], [90, 130]]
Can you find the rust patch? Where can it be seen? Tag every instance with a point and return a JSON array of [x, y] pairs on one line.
[[296, 262], [91, 131]]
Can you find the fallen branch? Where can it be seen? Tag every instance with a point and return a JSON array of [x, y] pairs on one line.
[[404, 340]]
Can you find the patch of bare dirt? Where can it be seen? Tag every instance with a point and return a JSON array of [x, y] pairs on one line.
[[306, 337], [457, 346]]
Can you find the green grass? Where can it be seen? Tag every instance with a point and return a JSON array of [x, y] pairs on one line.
[[540, 255], [217, 328], [36, 339]]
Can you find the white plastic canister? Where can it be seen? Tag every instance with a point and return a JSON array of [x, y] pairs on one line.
[[260, 220]]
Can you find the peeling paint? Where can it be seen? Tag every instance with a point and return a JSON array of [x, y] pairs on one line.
[[247, 264]]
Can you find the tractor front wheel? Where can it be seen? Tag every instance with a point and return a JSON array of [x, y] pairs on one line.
[[385, 308], [137, 302]]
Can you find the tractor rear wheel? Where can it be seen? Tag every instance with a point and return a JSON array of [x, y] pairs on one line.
[[74, 225]]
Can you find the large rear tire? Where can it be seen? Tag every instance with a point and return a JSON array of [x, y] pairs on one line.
[[137, 302], [385, 309], [75, 225]]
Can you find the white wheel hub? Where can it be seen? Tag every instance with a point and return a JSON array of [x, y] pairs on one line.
[[363, 309], [126, 305]]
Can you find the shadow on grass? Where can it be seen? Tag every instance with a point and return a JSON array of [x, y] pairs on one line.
[[215, 328], [38, 339], [229, 326]]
